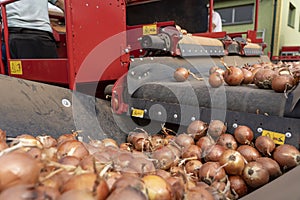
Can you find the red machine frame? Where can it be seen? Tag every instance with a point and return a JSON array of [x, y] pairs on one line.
[[85, 60], [90, 51]]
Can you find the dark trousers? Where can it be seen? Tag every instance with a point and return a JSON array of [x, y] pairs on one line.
[[29, 43]]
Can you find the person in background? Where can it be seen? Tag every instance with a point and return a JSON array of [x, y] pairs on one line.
[[216, 22], [30, 32]]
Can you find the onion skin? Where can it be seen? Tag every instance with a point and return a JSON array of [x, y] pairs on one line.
[[265, 145], [157, 188], [213, 153], [228, 141], [181, 74], [250, 153], [232, 161], [205, 142], [248, 76], [211, 171], [215, 80], [255, 175], [271, 165], [18, 168], [282, 83], [233, 76], [216, 128], [263, 78], [243, 134], [287, 156], [238, 185], [197, 129]]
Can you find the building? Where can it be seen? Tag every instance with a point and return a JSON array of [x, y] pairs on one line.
[[278, 20]]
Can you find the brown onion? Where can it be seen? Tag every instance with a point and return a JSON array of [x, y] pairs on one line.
[[18, 168], [72, 148], [228, 141], [271, 165], [213, 153], [233, 76], [193, 166], [215, 80], [211, 171], [216, 128], [248, 76], [263, 78], [255, 175], [157, 187], [282, 83], [181, 74], [287, 156], [238, 185], [250, 153], [197, 129], [243, 134], [184, 140], [232, 161], [204, 142], [165, 157], [265, 145], [192, 151]]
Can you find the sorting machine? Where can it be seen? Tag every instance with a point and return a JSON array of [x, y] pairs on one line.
[[128, 51]]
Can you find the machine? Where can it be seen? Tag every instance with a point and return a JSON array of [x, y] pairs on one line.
[[128, 51]]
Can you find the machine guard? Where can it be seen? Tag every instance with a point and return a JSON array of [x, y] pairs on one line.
[[36, 109]]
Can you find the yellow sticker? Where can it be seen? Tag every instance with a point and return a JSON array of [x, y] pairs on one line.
[[137, 113], [278, 138], [149, 29], [16, 67]]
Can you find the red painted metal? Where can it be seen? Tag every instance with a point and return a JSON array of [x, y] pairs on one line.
[[211, 8], [256, 15], [91, 50]]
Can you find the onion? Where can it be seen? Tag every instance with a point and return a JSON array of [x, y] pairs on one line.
[[228, 141], [181, 74], [132, 181], [255, 175], [72, 148], [232, 161], [213, 153], [287, 156], [265, 145], [216, 69], [85, 181], [198, 193], [197, 129], [204, 142], [211, 171], [18, 168], [157, 187], [215, 80], [238, 185], [47, 141], [193, 167], [142, 165], [248, 152], [248, 76], [192, 151], [263, 78], [76, 195], [243, 134], [271, 165], [184, 140], [165, 157], [216, 128], [282, 83], [22, 191], [233, 76]]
